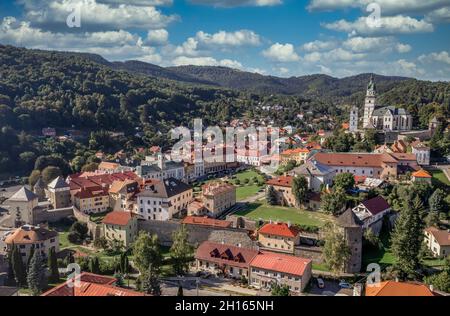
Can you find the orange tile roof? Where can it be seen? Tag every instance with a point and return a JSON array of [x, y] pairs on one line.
[[279, 229], [392, 288], [108, 165], [205, 221], [91, 285], [281, 263], [29, 235], [283, 181], [295, 151], [421, 174], [345, 125], [120, 218]]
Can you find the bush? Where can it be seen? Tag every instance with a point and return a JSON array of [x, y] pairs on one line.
[[74, 237]]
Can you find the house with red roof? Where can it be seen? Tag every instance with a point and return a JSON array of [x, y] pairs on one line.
[[394, 288], [222, 259], [371, 211], [280, 237], [268, 268], [120, 226], [89, 284], [421, 176]]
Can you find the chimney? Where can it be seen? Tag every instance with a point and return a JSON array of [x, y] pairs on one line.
[[396, 279], [289, 224], [431, 288]]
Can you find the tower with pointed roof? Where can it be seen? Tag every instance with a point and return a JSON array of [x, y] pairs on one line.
[[22, 206], [370, 103], [58, 192], [351, 227]]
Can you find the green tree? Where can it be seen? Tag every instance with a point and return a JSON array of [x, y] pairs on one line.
[[151, 283], [336, 252], [18, 267], [90, 167], [334, 202], [280, 290], [34, 177], [146, 252], [345, 181], [300, 189], [36, 277], [271, 195], [181, 251], [50, 173], [80, 229], [94, 265], [53, 266], [407, 236], [441, 281], [437, 201]]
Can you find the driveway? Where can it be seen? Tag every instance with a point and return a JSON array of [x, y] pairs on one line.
[[331, 288]]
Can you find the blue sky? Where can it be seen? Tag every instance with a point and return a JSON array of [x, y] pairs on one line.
[[277, 37]]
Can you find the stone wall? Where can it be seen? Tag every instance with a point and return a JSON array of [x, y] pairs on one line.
[[197, 233], [313, 253], [242, 222], [52, 216]]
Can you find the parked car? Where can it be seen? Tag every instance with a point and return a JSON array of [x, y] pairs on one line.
[[320, 283], [345, 285]]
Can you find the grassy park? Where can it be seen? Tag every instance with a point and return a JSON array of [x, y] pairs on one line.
[[296, 216]]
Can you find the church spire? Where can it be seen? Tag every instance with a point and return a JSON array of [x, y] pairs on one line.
[[371, 87]]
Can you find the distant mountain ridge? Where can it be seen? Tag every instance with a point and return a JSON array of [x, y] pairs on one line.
[[310, 85]]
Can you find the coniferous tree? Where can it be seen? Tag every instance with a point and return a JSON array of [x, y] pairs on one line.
[[94, 265], [151, 283], [18, 267], [53, 266], [271, 195], [36, 277], [180, 291], [407, 237]]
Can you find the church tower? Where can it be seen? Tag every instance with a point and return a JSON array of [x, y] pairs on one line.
[[353, 119], [370, 103]]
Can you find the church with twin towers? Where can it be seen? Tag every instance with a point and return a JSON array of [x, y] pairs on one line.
[[382, 118]]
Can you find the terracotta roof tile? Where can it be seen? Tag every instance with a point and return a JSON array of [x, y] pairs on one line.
[[441, 236], [279, 229], [225, 254], [205, 221], [283, 181], [421, 174], [120, 218], [392, 288], [281, 263]]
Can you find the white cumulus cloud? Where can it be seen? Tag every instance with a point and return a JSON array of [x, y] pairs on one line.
[[281, 53]]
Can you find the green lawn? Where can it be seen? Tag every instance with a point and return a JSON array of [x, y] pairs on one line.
[[245, 191], [439, 177], [382, 256], [285, 214], [320, 267]]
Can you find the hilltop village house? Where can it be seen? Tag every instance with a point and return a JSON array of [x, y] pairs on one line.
[[279, 237], [438, 241], [28, 237], [120, 226], [283, 189], [318, 175], [164, 199], [216, 198]]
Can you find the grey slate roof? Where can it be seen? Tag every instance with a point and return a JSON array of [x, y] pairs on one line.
[[348, 219], [392, 109], [165, 189], [312, 168], [23, 195], [58, 183]]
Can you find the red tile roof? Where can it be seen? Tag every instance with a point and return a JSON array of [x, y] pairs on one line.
[[421, 174], [392, 288], [295, 151], [354, 159], [120, 218], [91, 285], [205, 221], [281, 263], [279, 229], [376, 205], [225, 254], [283, 181]]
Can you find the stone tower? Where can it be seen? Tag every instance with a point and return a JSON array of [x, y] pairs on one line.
[[39, 189], [59, 193], [353, 119], [353, 233], [370, 103]]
